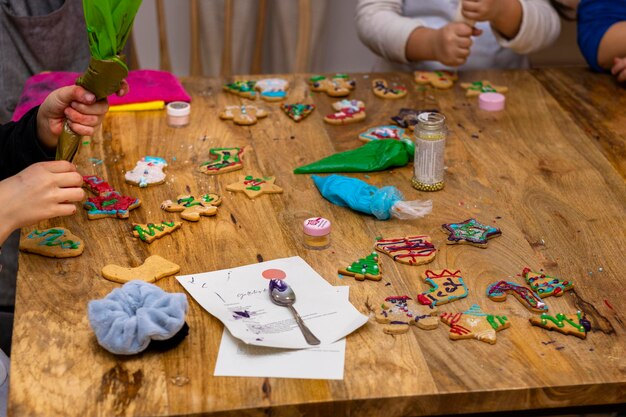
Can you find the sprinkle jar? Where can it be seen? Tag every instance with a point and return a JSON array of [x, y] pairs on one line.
[[430, 143], [178, 113], [316, 233]]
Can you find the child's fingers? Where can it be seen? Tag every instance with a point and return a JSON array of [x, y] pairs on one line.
[[618, 66], [477, 32], [63, 209], [464, 43], [76, 93], [65, 195], [68, 179], [622, 76], [58, 166], [124, 89], [100, 107], [81, 118]]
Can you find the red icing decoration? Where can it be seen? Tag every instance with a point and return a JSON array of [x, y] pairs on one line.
[[96, 185]]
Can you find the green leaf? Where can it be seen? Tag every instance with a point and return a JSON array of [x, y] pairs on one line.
[[108, 25]]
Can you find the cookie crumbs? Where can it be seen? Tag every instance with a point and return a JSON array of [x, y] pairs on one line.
[[600, 269], [474, 136]]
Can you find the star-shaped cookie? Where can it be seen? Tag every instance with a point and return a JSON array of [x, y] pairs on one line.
[[191, 208], [478, 87], [298, 111], [475, 324], [471, 232], [110, 204], [254, 186], [397, 313]]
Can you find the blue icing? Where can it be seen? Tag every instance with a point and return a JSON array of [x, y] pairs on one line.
[[155, 159], [274, 94]]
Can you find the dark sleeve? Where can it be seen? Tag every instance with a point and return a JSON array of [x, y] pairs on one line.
[[595, 17], [19, 145]]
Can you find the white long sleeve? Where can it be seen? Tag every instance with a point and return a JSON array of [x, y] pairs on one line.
[[382, 28], [540, 27]]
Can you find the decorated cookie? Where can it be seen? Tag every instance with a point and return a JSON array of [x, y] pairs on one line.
[[545, 285], [53, 243], [478, 87], [384, 132], [381, 89], [569, 324], [241, 88], [298, 111], [399, 312], [254, 186], [153, 269], [148, 171], [148, 232], [447, 286], [471, 232], [191, 208], [348, 111], [438, 79], [96, 184], [365, 268], [228, 159], [407, 118], [110, 204], [499, 290], [475, 324], [272, 89], [410, 250], [339, 85], [244, 115]]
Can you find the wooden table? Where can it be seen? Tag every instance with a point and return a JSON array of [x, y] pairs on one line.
[[549, 171]]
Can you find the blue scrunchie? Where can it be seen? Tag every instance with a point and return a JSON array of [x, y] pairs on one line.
[[128, 318], [358, 195]]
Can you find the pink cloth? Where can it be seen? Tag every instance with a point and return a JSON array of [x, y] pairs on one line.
[[145, 85]]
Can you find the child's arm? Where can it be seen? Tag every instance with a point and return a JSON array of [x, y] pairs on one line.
[[612, 45], [386, 32], [524, 26], [41, 191]]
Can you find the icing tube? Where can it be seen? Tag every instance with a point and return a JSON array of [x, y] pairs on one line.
[[384, 203]]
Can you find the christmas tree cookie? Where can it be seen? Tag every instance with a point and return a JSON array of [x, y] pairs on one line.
[[149, 232], [545, 285], [297, 111], [569, 324], [365, 268]]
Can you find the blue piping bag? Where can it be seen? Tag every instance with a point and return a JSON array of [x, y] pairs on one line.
[[358, 195]]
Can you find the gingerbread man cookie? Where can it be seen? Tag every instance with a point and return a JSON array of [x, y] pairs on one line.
[[228, 159], [339, 85], [108, 202], [365, 268], [399, 312], [545, 285], [475, 324], [381, 89], [57, 242], [272, 89], [499, 290], [438, 79], [410, 250], [447, 286], [348, 111], [384, 132], [148, 171], [254, 187], [244, 115], [153, 269], [191, 208], [149, 232], [243, 88], [478, 87], [471, 232], [568, 324], [297, 111]]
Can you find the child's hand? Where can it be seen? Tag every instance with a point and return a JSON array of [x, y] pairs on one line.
[[39, 192], [619, 69], [83, 113], [482, 10], [453, 42]]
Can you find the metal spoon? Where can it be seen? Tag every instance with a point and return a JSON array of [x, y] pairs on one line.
[[282, 295]]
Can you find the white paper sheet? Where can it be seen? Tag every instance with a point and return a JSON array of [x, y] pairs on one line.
[[235, 358], [239, 298]]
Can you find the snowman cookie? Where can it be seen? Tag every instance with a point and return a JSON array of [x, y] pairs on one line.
[[148, 171]]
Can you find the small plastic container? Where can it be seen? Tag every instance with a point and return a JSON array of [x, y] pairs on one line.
[[178, 113], [491, 101], [316, 233]]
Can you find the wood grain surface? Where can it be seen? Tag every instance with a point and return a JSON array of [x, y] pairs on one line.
[[548, 171]]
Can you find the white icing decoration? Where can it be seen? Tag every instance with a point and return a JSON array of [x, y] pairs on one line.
[[149, 170]]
